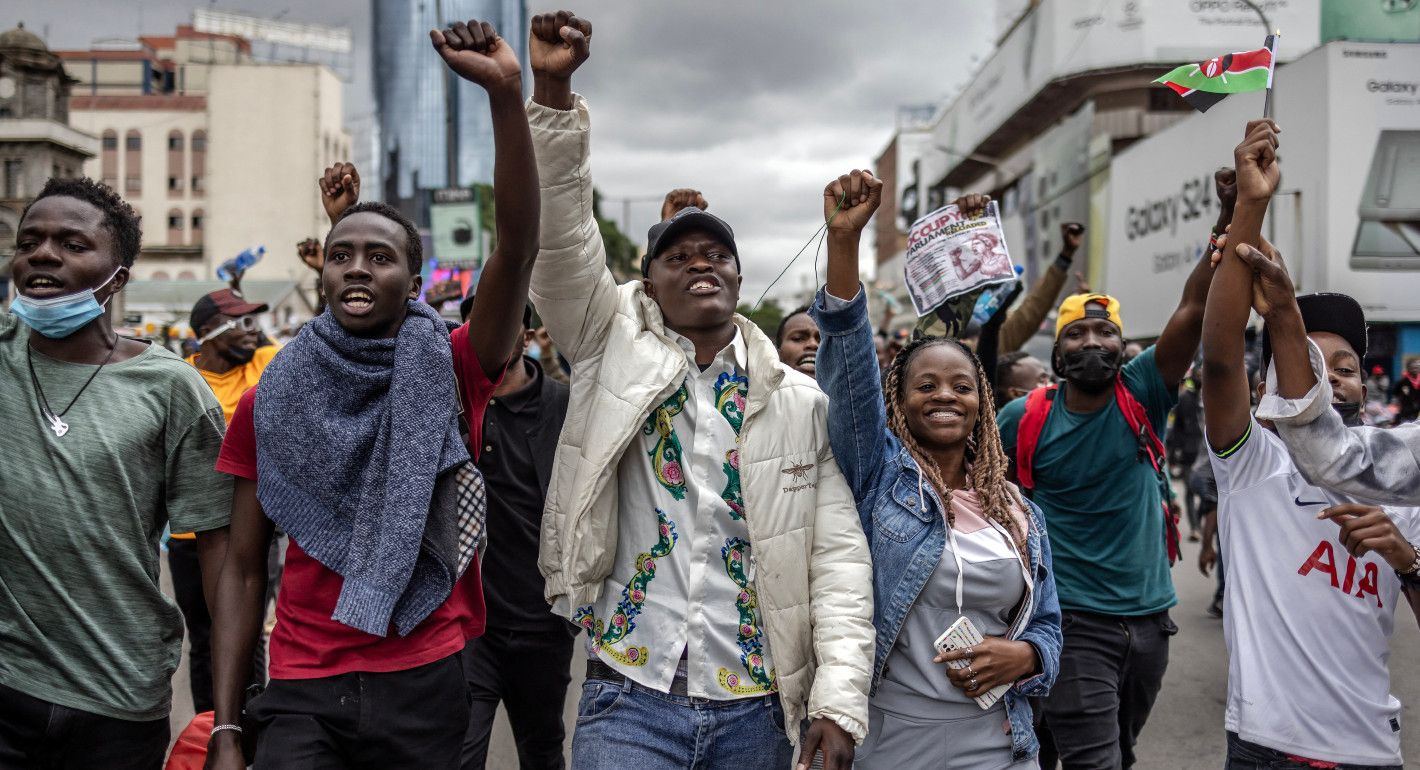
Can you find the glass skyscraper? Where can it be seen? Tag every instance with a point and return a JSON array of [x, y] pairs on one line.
[[410, 96]]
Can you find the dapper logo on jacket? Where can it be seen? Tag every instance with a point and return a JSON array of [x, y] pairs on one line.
[[798, 477]]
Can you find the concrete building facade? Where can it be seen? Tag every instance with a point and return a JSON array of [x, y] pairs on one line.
[[1063, 123], [216, 152], [36, 140]]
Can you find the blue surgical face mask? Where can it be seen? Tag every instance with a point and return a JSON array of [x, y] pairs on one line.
[[59, 317]]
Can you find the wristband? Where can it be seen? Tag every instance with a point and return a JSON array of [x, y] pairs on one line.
[[1413, 571], [219, 728]]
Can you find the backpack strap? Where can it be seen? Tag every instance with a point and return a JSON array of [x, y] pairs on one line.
[[1139, 425], [1151, 447], [1032, 423]]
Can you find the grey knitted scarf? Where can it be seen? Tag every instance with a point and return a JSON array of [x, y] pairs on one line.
[[351, 435]]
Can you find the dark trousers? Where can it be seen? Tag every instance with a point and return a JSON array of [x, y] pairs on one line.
[[187, 591], [1243, 755], [529, 672], [39, 735], [359, 721], [1111, 669]]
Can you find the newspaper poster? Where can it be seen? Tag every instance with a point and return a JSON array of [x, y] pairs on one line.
[[953, 257]]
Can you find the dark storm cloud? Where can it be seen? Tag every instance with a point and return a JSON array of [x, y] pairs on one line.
[[760, 104], [757, 104]]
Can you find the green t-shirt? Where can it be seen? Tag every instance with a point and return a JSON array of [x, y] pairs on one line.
[[1102, 506], [82, 621]]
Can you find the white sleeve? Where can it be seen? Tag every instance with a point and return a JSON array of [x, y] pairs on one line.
[[1297, 411], [1368, 464]]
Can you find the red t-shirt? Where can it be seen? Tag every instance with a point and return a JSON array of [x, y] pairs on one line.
[[307, 643]]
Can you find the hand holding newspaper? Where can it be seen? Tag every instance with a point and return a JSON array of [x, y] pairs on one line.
[[952, 257]]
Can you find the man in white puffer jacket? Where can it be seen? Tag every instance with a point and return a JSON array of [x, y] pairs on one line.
[[697, 525]]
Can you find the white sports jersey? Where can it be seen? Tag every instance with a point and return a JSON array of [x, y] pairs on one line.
[[1307, 626]]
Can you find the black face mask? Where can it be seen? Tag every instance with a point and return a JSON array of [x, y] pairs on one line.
[[1091, 369], [1350, 412], [239, 356]]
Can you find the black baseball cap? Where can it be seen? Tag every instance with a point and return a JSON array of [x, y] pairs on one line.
[[1338, 314], [229, 302], [689, 218]]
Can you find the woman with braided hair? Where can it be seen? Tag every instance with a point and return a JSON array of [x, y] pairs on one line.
[[950, 536]]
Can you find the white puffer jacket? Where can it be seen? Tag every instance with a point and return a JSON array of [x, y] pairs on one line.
[[811, 560]]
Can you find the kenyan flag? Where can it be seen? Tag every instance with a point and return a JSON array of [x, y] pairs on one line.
[[1204, 85]]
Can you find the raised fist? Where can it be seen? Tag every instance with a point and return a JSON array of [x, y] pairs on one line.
[[1225, 184], [475, 52], [972, 204], [1072, 236], [850, 200], [558, 43], [339, 189], [1255, 161], [680, 198], [312, 253]]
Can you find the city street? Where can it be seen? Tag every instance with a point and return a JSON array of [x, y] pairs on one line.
[[1186, 729]]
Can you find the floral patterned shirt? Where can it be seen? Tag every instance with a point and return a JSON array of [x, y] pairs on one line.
[[682, 584]]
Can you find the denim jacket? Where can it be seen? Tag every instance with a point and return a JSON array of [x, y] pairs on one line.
[[906, 537]]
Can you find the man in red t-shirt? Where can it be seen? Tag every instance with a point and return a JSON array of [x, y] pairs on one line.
[[358, 678]]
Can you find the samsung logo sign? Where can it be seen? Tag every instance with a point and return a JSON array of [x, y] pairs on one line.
[[1391, 87]]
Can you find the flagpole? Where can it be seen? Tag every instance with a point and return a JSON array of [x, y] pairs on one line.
[[1271, 68]]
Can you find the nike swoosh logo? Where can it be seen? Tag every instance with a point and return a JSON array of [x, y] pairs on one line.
[[1300, 502]]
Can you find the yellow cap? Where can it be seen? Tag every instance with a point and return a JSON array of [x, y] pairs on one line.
[[1080, 306]]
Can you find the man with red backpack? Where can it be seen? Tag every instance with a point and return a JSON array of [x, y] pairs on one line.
[[1089, 453]]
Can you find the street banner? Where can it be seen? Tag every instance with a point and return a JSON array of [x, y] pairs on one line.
[[951, 257], [457, 228], [1204, 85]]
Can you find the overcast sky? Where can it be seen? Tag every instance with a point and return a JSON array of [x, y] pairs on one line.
[[755, 103]]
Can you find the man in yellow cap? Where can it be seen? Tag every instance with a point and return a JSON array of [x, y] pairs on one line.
[[1088, 452]]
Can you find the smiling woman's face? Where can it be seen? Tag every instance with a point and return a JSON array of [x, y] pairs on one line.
[[941, 397]]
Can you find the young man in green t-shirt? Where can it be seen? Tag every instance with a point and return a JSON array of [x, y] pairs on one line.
[[105, 440], [1102, 499]]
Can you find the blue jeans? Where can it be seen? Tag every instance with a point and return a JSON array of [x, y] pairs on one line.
[[1243, 755], [627, 725]]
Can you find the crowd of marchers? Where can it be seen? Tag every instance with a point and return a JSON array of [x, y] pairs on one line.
[[839, 545]]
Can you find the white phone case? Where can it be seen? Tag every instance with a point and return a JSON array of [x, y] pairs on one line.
[[961, 635]]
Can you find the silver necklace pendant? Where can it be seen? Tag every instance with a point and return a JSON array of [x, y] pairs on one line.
[[59, 426]]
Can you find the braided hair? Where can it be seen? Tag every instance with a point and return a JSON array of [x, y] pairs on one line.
[[985, 459]]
